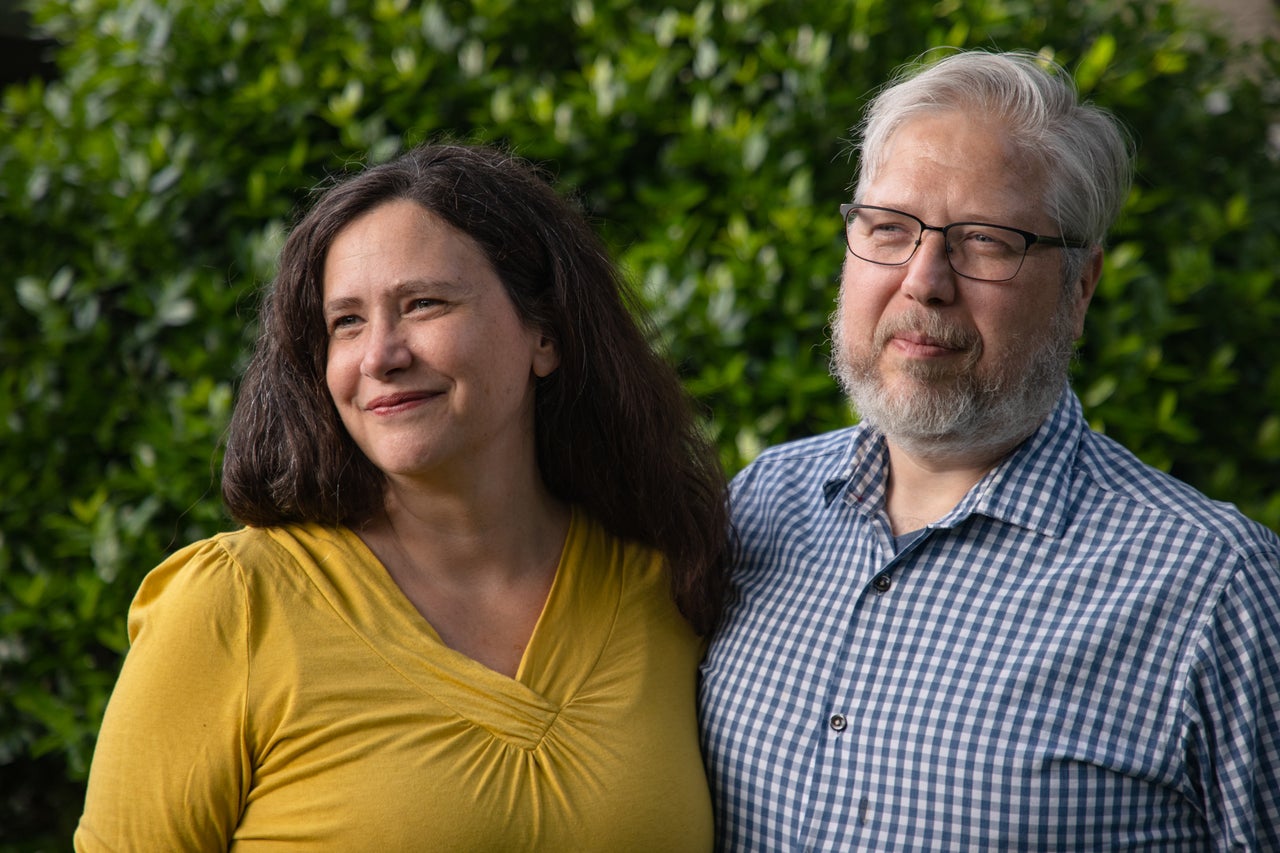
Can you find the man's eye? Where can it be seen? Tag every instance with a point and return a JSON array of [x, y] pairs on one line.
[[993, 240]]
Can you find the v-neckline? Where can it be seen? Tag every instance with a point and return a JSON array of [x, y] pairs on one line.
[[567, 639]]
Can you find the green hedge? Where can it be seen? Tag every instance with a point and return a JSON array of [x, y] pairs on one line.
[[145, 193]]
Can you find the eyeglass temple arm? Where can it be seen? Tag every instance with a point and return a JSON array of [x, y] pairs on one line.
[[1060, 242]]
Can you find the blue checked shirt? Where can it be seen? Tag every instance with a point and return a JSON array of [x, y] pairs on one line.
[[1083, 655]]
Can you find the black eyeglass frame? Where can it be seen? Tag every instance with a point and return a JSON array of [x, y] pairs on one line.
[[1030, 237]]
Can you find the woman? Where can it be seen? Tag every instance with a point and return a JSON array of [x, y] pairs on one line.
[[484, 536]]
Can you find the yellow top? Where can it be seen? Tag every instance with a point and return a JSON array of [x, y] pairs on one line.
[[281, 692]]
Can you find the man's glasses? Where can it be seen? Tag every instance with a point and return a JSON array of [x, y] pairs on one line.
[[976, 250]]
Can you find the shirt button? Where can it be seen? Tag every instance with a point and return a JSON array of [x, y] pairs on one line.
[[838, 722], [882, 582]]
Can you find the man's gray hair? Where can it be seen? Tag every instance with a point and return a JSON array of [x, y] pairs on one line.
[[1084, 152]]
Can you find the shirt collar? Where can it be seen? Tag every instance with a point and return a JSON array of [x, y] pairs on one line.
[[1029, 488]]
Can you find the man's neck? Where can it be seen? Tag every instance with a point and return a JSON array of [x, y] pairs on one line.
[[925, 487]]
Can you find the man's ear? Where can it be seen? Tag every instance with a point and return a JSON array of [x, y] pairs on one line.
[[1086, 286]]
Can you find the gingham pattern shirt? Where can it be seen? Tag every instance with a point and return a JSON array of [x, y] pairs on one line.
[[1082, 655]]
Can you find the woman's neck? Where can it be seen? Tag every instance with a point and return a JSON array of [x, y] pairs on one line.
[[478, 572]]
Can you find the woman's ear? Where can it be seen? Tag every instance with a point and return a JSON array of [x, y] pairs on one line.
[[546, 357]]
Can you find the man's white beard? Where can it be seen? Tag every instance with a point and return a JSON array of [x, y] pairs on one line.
[[953, 411]]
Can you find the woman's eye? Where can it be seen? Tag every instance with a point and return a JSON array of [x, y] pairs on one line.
[[343, 322]]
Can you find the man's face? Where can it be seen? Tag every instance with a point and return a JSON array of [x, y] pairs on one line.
[[940, 363]]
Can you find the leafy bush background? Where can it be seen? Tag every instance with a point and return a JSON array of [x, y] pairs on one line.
[[145, 193]]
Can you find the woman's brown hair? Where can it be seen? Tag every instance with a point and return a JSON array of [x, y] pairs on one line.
[[616, 433]]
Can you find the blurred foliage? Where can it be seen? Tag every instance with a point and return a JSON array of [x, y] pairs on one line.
[[145, 193]]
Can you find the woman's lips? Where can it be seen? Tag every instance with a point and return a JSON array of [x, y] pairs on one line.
[[389, 404]]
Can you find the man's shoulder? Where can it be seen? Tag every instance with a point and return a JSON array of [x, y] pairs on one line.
[[815, 458], [795, 478], [813, 449], [1117, 470]]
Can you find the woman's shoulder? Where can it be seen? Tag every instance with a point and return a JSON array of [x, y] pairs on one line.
[[591, 542], [252, 548], [230, 565], [610, 572]]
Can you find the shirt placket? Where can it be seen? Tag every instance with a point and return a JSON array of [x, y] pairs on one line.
[[846, 755]]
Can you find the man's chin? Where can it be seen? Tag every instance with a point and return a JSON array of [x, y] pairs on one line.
[[930, 376], [930, 386]]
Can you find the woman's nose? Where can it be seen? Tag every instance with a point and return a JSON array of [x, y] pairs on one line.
[[385, 351]]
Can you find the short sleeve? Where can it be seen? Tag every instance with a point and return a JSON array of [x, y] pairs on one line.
[[171, 766]]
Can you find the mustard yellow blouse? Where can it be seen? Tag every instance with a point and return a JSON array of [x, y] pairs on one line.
[[280, 692]]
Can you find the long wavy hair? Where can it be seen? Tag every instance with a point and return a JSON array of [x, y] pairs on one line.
[[615, 432]]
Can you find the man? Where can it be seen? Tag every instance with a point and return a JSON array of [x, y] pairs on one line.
[[970, 622]]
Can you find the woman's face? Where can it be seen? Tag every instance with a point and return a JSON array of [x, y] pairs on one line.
[[429, 366]]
